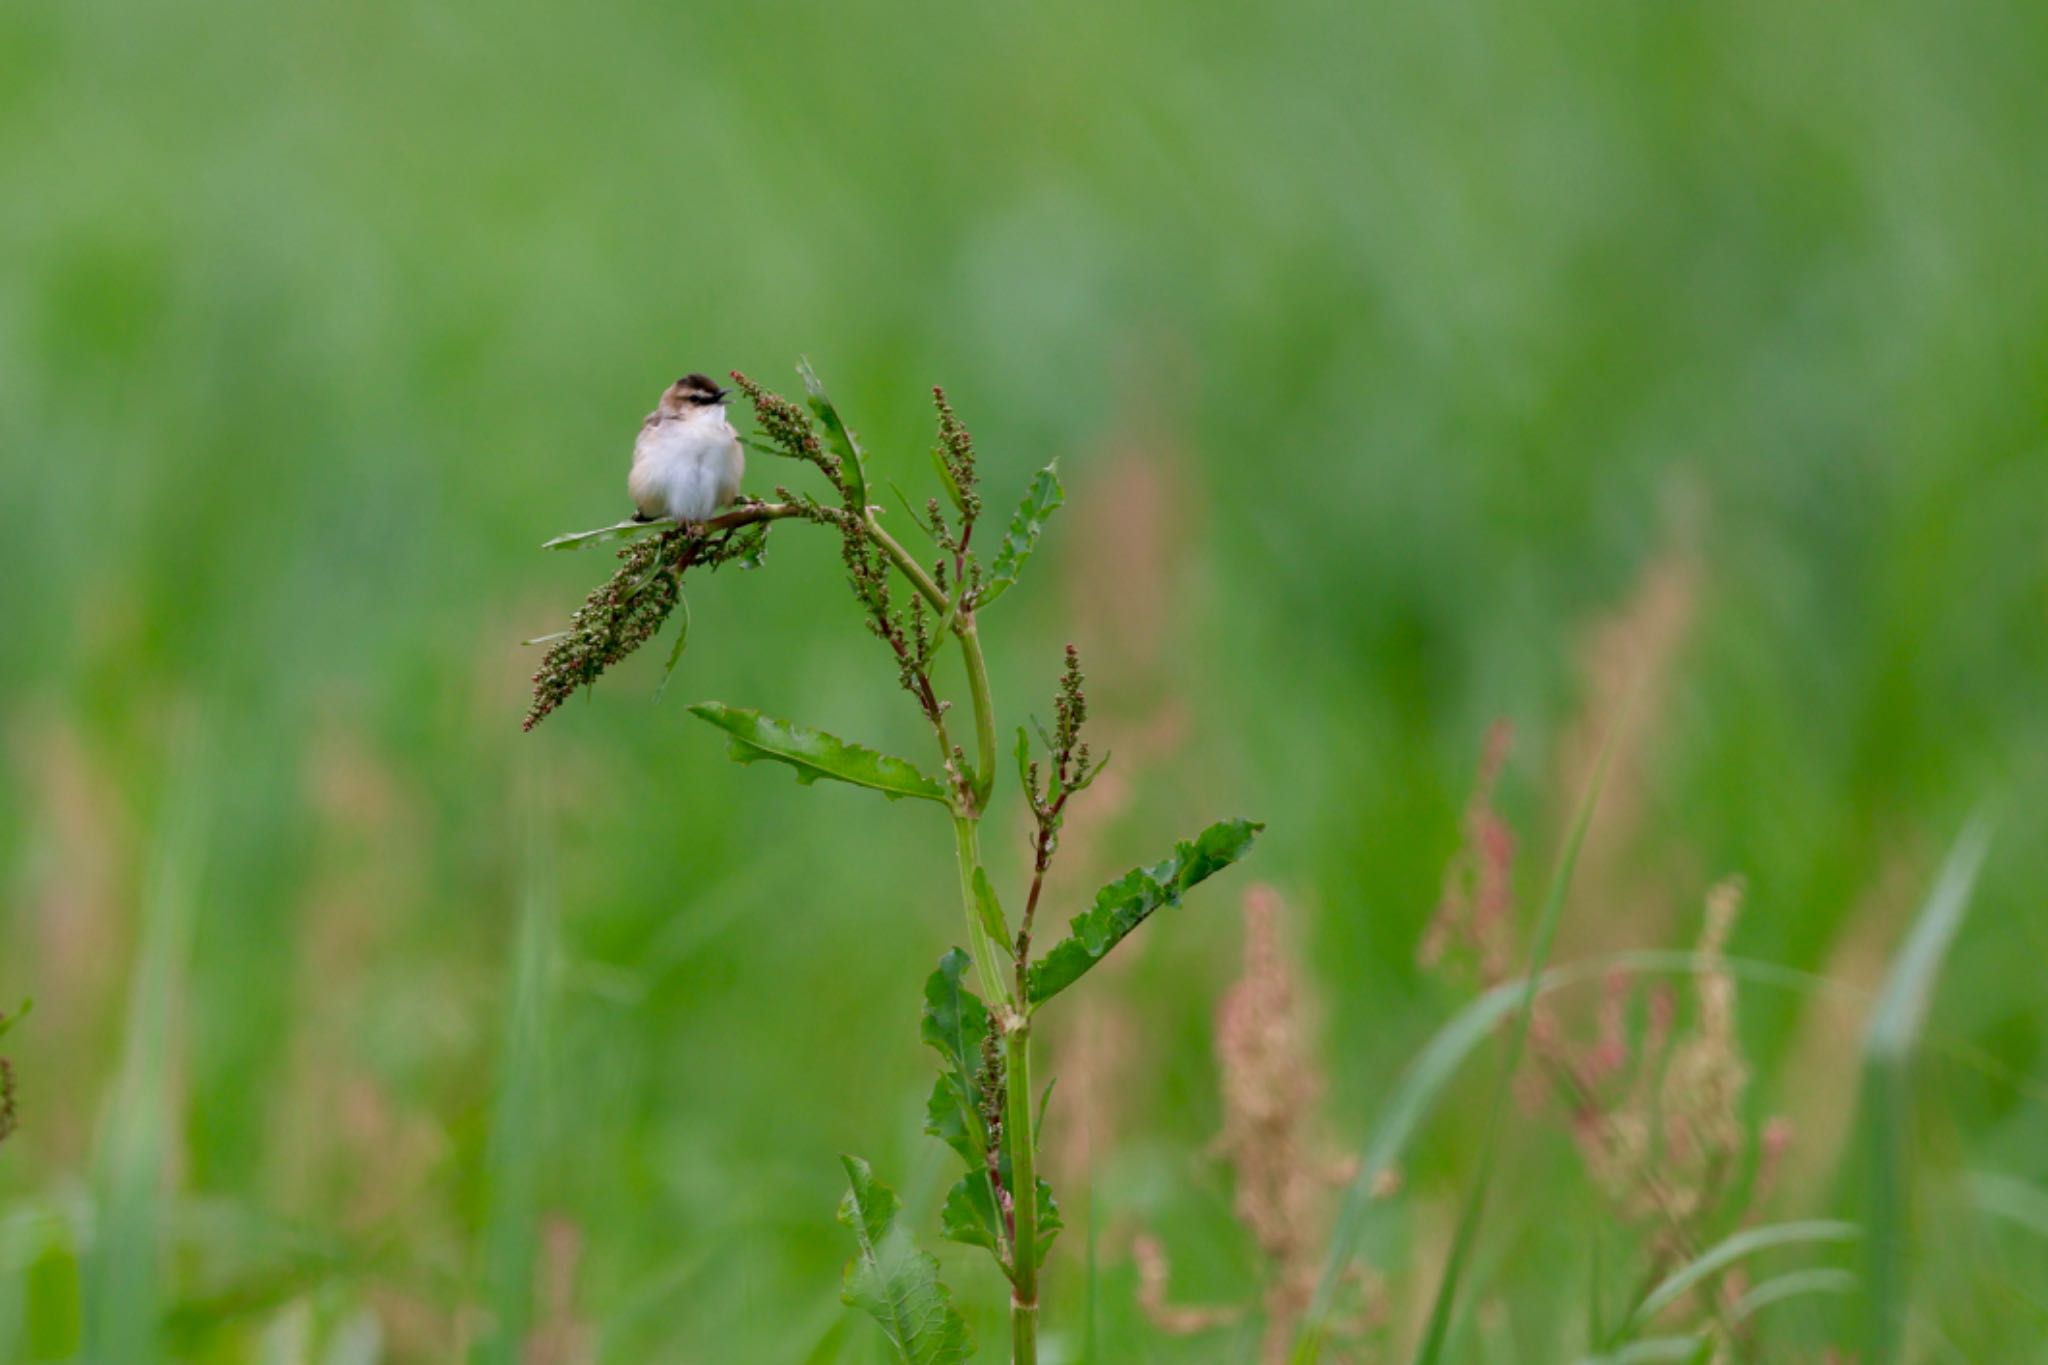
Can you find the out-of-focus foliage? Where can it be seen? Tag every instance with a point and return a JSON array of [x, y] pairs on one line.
[[1406, 367]]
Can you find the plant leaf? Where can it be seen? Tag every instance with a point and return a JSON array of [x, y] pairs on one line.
[[955, 1021], [1040, 500], [955, 1024], [851, 467], [1024, 761], [1748, 1242], [989, 908], [947, 481], [577, 540], [675, 653], [1049, 1222], [1792, 1285], [1129, 900], [969, 1215], [815, 754], [895, 1283]]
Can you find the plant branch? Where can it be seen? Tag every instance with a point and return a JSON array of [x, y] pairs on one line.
[[1018, 1131], [982, 780]]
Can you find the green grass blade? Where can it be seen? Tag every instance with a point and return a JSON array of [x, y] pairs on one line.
[[1427, 1076], [1727, 1252], [1792, 1285], [1518, 1036], [1889, 1044], [2016, 1201], [518, 1121], [123, 1294], [1648, 1350]]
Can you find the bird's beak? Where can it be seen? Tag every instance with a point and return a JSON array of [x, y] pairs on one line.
[[722, 394]]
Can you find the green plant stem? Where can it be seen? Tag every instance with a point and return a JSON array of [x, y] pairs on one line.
[[970, 646], [988, 954], [1017, 1132]]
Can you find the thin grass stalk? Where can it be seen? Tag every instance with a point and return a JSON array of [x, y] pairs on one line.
[[518, 1114], [123, 1289], [1518, 1036], [1889, 1046]]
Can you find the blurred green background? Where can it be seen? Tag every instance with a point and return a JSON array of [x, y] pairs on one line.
[[1407, 367]]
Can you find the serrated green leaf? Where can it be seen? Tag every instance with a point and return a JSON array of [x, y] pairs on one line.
[[969, 1215], [1130, 900], [955, 1021], [815, 754], [895, 1283], [955, 1024], [1041, 499], [851, 461], [1049, 1220], [948, 1120]]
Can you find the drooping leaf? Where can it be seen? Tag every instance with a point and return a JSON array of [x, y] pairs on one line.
[[895, 1283], [1040, 500], [1049, 1222], [851, 466], [675, 653], [951, 1122], [955, 1021], [1130, 900], [815, 754], [955, 1024], [969, 1215], [989, 908], [577, 540]]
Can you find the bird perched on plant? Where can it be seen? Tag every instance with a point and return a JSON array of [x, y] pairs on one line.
[[687, 461]]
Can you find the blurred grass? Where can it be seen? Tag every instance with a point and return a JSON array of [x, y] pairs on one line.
[[1384, 350]]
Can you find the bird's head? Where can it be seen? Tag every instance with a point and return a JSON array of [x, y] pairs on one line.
[[691, 393]]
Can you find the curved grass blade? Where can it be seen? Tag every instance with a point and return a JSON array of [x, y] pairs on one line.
[[2016, 1201], [1518, 1036], [1648, 1350], [1129, 901], [815, 754], [852, 468], [1427, 1076], [895, 1283], [1041, 500], [1889, 1044], [1727, 1252], [1792, 1285]]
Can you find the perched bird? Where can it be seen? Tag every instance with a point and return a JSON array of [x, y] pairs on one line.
[[687, 461]]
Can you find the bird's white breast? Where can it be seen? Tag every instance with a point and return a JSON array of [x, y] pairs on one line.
[[686, 467]]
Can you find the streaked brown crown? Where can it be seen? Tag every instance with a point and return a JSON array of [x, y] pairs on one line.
[[690, 392]]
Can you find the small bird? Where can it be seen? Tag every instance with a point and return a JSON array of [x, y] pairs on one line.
[[687, 461]]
